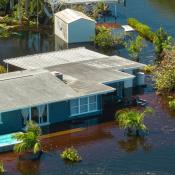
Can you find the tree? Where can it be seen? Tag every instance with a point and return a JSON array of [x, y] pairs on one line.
[[104, 39], [161, 42], [135, 47], [30, 140], [132, 121], [164, 75]]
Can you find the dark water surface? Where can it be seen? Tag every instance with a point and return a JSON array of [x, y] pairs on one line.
[[104, 148], [106, 151], [155, 13]]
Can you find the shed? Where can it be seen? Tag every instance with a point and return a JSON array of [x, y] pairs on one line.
[[73, 26], [117, 31]]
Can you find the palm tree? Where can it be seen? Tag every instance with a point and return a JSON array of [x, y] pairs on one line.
[[101, 8], [132, 121], [30, 140]]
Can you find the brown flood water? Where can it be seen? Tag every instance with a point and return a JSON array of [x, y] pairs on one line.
[[106, 151]]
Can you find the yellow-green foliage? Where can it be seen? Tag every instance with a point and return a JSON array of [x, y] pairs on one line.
[[172, 104], [2, 69], [142, 29], [149, 68], [2, 170], [71, 154]]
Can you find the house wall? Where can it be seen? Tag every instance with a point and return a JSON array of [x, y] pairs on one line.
[[81, 31], [61, 29], [11, 122], [60, 111]]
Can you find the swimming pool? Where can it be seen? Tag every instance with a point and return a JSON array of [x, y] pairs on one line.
[[7, 142]]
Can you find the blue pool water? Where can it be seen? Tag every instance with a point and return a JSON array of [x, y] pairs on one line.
[[7, 139]]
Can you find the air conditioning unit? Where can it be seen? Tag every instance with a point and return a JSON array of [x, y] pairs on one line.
[[58, 75]]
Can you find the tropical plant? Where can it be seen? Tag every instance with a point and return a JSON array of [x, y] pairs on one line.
[[132, 121], [142, 29], [148, 69], [29, 141], [3, 4], [2, 170], [135, 47], [161, 42], [172, 104], [2, 69], [101, 8], [103, 39], [71, 154]]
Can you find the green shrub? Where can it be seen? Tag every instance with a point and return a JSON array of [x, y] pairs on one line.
[[103, 39], [2, 69], [2, 170], [135, 47], [71, 154], [142, 29], [165, 73], [149, 68], [162, 41], [172, 104]]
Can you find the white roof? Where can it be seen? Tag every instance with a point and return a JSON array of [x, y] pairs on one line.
[[127, 28], [69, 16], [43, 60]]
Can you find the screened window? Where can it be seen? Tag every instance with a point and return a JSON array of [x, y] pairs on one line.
[[83, 105]]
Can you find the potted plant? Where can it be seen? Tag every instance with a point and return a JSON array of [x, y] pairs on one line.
[[29, 146]]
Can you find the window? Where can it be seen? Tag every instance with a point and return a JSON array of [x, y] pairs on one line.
[[38, 114], [83, 105], [1, 119]]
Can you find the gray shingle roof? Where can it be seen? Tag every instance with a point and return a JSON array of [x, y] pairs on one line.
[[30, 88], [43, 60]]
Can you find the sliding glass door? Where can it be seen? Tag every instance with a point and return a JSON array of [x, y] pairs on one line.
[[38, 114]]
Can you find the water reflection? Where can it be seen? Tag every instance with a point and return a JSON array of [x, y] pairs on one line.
[[132, 144], [164, 6], [27, 43], [28, 167]]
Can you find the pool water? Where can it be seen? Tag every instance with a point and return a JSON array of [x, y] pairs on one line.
[[7, 139]]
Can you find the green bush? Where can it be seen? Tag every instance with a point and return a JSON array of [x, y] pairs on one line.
[[135, 47], [149, 68], [2, 170], [71, 154], [142, 29], [165, 73], [2, 69], [103, 39], [172, 104]]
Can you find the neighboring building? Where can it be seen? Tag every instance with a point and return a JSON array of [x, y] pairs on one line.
[[65, 85], [73, 26], [117, 30]]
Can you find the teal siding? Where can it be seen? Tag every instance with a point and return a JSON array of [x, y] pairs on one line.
[[12, 122], [60, 111]]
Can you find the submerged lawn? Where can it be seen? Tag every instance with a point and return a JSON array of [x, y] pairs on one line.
[[106, 151]]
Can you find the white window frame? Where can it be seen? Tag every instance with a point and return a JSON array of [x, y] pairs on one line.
[[1, 118], [40, 124], [88, 104]]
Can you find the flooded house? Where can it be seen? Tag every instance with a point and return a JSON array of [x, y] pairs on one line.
[[65, 85]]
